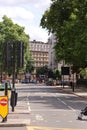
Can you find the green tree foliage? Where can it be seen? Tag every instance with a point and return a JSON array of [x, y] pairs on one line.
[[13, 33], [42, 71], [50, 73], [29, 66], [68, 21], [83, 72]]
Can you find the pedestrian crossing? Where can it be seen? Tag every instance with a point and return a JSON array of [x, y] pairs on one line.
[[49, 128]]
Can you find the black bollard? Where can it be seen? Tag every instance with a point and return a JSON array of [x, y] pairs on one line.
[[13, 100], [73, 87]]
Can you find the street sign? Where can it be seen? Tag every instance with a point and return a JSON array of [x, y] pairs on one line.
[[3, 106], [65, 70]]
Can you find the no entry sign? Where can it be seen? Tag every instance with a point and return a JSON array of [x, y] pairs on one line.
[[3, 106]]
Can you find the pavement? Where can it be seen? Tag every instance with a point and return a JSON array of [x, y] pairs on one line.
[[20, 116], [81, 91]]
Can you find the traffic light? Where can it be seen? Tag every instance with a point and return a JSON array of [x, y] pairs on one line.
[[20, 55], [9, 54]]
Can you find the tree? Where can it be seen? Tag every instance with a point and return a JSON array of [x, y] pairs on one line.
[[83, 72], [12, 33], [50, 73], [68, 21], [42, 71], [29, 66]]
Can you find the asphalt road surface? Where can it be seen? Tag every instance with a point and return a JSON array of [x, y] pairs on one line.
[[52, 108]]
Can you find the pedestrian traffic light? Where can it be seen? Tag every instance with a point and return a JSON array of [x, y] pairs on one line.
[[20, 56], [9, 54]]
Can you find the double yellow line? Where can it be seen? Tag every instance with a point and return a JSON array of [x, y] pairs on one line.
[[49, 128]]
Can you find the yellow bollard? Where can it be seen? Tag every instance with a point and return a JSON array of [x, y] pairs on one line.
[[54, 82]]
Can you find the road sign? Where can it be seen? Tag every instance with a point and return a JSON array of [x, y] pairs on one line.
[[65, 70], [3, 106]]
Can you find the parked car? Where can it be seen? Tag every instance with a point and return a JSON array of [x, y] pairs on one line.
[[2, 86], [58, 82], [25, 81], [49, 83]]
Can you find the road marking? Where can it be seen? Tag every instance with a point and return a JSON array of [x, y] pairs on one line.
[[49, 128], [29, 109], [28, 104], [71, 108], [51, 110], [39, 117], [66, 104]]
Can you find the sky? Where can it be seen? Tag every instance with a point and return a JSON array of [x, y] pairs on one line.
[[27, 13]]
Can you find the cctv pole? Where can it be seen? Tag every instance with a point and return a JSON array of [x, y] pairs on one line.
[[63, 76]]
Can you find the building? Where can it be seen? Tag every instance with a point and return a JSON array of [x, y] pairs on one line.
[[53, 63], [52, 59], [40, 53]]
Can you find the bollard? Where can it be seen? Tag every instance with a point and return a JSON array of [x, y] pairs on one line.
[[16, 95], [13, 100], [73, 87]]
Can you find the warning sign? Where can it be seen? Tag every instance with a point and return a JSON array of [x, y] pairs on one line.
[[3, 106]]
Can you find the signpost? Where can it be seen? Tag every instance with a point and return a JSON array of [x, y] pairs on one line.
[[65, 71], [3, 106]]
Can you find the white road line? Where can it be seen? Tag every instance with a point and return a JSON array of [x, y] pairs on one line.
[[49, 110], [39, 117], [28, 104], [71, 108], [66, 104]]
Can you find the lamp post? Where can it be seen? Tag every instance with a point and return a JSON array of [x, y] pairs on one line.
[[63, 75]]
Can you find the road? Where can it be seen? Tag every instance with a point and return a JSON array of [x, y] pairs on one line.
[[52, 109]]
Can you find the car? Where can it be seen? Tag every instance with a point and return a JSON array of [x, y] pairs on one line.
[[25, 81], [2, 86], [49, 83], [58, 82]]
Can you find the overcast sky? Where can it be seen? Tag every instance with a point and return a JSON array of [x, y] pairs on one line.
[[27, 13]]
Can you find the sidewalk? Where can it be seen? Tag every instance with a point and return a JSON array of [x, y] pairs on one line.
[[81, 91], [17, 118], [21, 114]]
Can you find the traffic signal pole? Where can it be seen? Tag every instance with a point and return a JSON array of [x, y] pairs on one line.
[[13, 66], [11, 62], [13, 91]]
